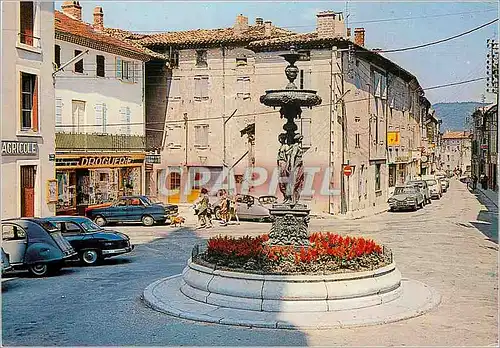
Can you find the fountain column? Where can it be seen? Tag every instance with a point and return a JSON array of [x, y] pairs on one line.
[[290, 218]]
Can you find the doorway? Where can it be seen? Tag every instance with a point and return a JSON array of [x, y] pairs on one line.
[[28, 174]]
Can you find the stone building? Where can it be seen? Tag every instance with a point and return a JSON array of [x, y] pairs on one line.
[[214, 119], [27, 172], [99, 112], [456, 152], [431, 154], [485, 144]]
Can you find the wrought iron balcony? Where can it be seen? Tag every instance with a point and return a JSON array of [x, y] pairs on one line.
[[99, 142]]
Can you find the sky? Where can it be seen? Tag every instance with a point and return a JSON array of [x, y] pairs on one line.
[[461, 59]]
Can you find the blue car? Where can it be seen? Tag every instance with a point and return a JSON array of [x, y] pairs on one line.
[[91, 242], [130, 209]]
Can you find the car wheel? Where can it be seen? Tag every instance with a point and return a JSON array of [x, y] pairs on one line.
[[147, 220], [39, 269], [100, 221], [217, 214], [89, 257]]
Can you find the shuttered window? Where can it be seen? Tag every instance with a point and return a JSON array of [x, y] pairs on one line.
[[58, 113], [243, 85], [200, 88], [79, 64], [201, 135], [175, 89], [29, 102], [100, 66], [125, 126], [118, 67], [174, 135], [100, 118]]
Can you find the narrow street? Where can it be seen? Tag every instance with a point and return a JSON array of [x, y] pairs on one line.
[[449, 245]]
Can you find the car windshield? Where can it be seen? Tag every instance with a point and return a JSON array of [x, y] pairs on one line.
[[90, 226], [431, 182], [416, 183]]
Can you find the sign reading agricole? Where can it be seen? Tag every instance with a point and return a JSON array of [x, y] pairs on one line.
[[104, 160], [19, 148]]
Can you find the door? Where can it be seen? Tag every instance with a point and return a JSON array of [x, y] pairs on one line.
[[73, 234], [14, 242], [135, 210], [28, 174], [78, 116]]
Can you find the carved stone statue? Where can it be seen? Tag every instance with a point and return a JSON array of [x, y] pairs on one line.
[[284, 169], [297, 168]]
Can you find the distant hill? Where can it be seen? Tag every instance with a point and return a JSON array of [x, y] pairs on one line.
[[454, 114]]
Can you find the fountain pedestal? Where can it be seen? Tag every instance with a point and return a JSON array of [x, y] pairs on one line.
[[289, 225]]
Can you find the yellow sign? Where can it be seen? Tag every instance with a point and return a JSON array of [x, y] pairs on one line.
[[393, 138]]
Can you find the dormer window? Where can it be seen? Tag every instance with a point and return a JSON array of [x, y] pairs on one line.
[[201, 59]]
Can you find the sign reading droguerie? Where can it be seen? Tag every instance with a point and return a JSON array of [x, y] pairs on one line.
[[104, 160], [19, 148]]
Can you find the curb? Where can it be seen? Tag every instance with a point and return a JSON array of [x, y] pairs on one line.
[[487, 197], [234, 317]]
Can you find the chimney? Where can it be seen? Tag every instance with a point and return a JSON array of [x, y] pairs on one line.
[[241, 24], [330, 25], [268, 28], [72, 9], [98, 18], [259, 21], [359, 36]]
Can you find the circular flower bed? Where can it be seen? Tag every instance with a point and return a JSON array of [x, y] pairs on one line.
[[329, 253]]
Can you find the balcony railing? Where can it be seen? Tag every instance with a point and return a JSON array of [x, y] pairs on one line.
[[99, 142], [29, 40]]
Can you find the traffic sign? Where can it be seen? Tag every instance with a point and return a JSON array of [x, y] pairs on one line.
[[347, 170]]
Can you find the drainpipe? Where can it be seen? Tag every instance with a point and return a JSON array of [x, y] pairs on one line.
[[342, 187], [224, 159], [331, 118]]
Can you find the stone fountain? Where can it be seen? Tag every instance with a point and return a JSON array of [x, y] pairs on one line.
[[290, 218], [204, 292]]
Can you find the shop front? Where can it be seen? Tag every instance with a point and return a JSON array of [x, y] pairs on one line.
[[85, 180]]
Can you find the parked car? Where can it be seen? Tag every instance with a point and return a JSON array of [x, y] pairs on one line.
[[268, 201], [35, 244], [445, 183], [172, 209], [406, 197], [247, 207], [5, 262], [435, 188], [92, 243], [130, 209], [424, 188]]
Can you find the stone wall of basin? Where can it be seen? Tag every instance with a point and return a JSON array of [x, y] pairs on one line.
[[291, 293]]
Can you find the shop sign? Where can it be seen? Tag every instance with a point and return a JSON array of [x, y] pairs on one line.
[[153, 159], [104, 160], [403, 159], [393, 138], [19, 148]]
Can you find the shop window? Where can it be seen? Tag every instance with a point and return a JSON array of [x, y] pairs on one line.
[[201, 135], [57, 55], [377, 177], [100, 71], [174, 181], [79, 64], [200, 88], [29, 102], [243, 87], [27, 22], [201, 59]]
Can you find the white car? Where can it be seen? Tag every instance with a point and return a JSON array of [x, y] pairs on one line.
[[434, 188]]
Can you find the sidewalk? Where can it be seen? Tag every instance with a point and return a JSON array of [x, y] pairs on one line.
[[489, 194]]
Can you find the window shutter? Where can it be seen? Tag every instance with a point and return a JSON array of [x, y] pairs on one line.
[[98, 117], [104, 118], [306, 132], [205, 135], [204, 87], [123, 121], [118, 67], [34, 112], [128, 120], [58, 112], [197, 88]]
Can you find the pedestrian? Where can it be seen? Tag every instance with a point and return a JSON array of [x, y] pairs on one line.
[[474, 181], [202, 206], [232, 209], [224, 209], [209, 215]]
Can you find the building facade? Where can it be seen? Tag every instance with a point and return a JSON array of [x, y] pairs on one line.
[[99, 112], [28, 144], [485, 145], [456, 152], [431, 137], [214, 119]]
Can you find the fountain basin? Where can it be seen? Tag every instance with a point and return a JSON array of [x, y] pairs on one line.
[[296, 97], [291, 293]]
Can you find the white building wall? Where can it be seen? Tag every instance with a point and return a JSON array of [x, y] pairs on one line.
[[116, 94], [17, 58]]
